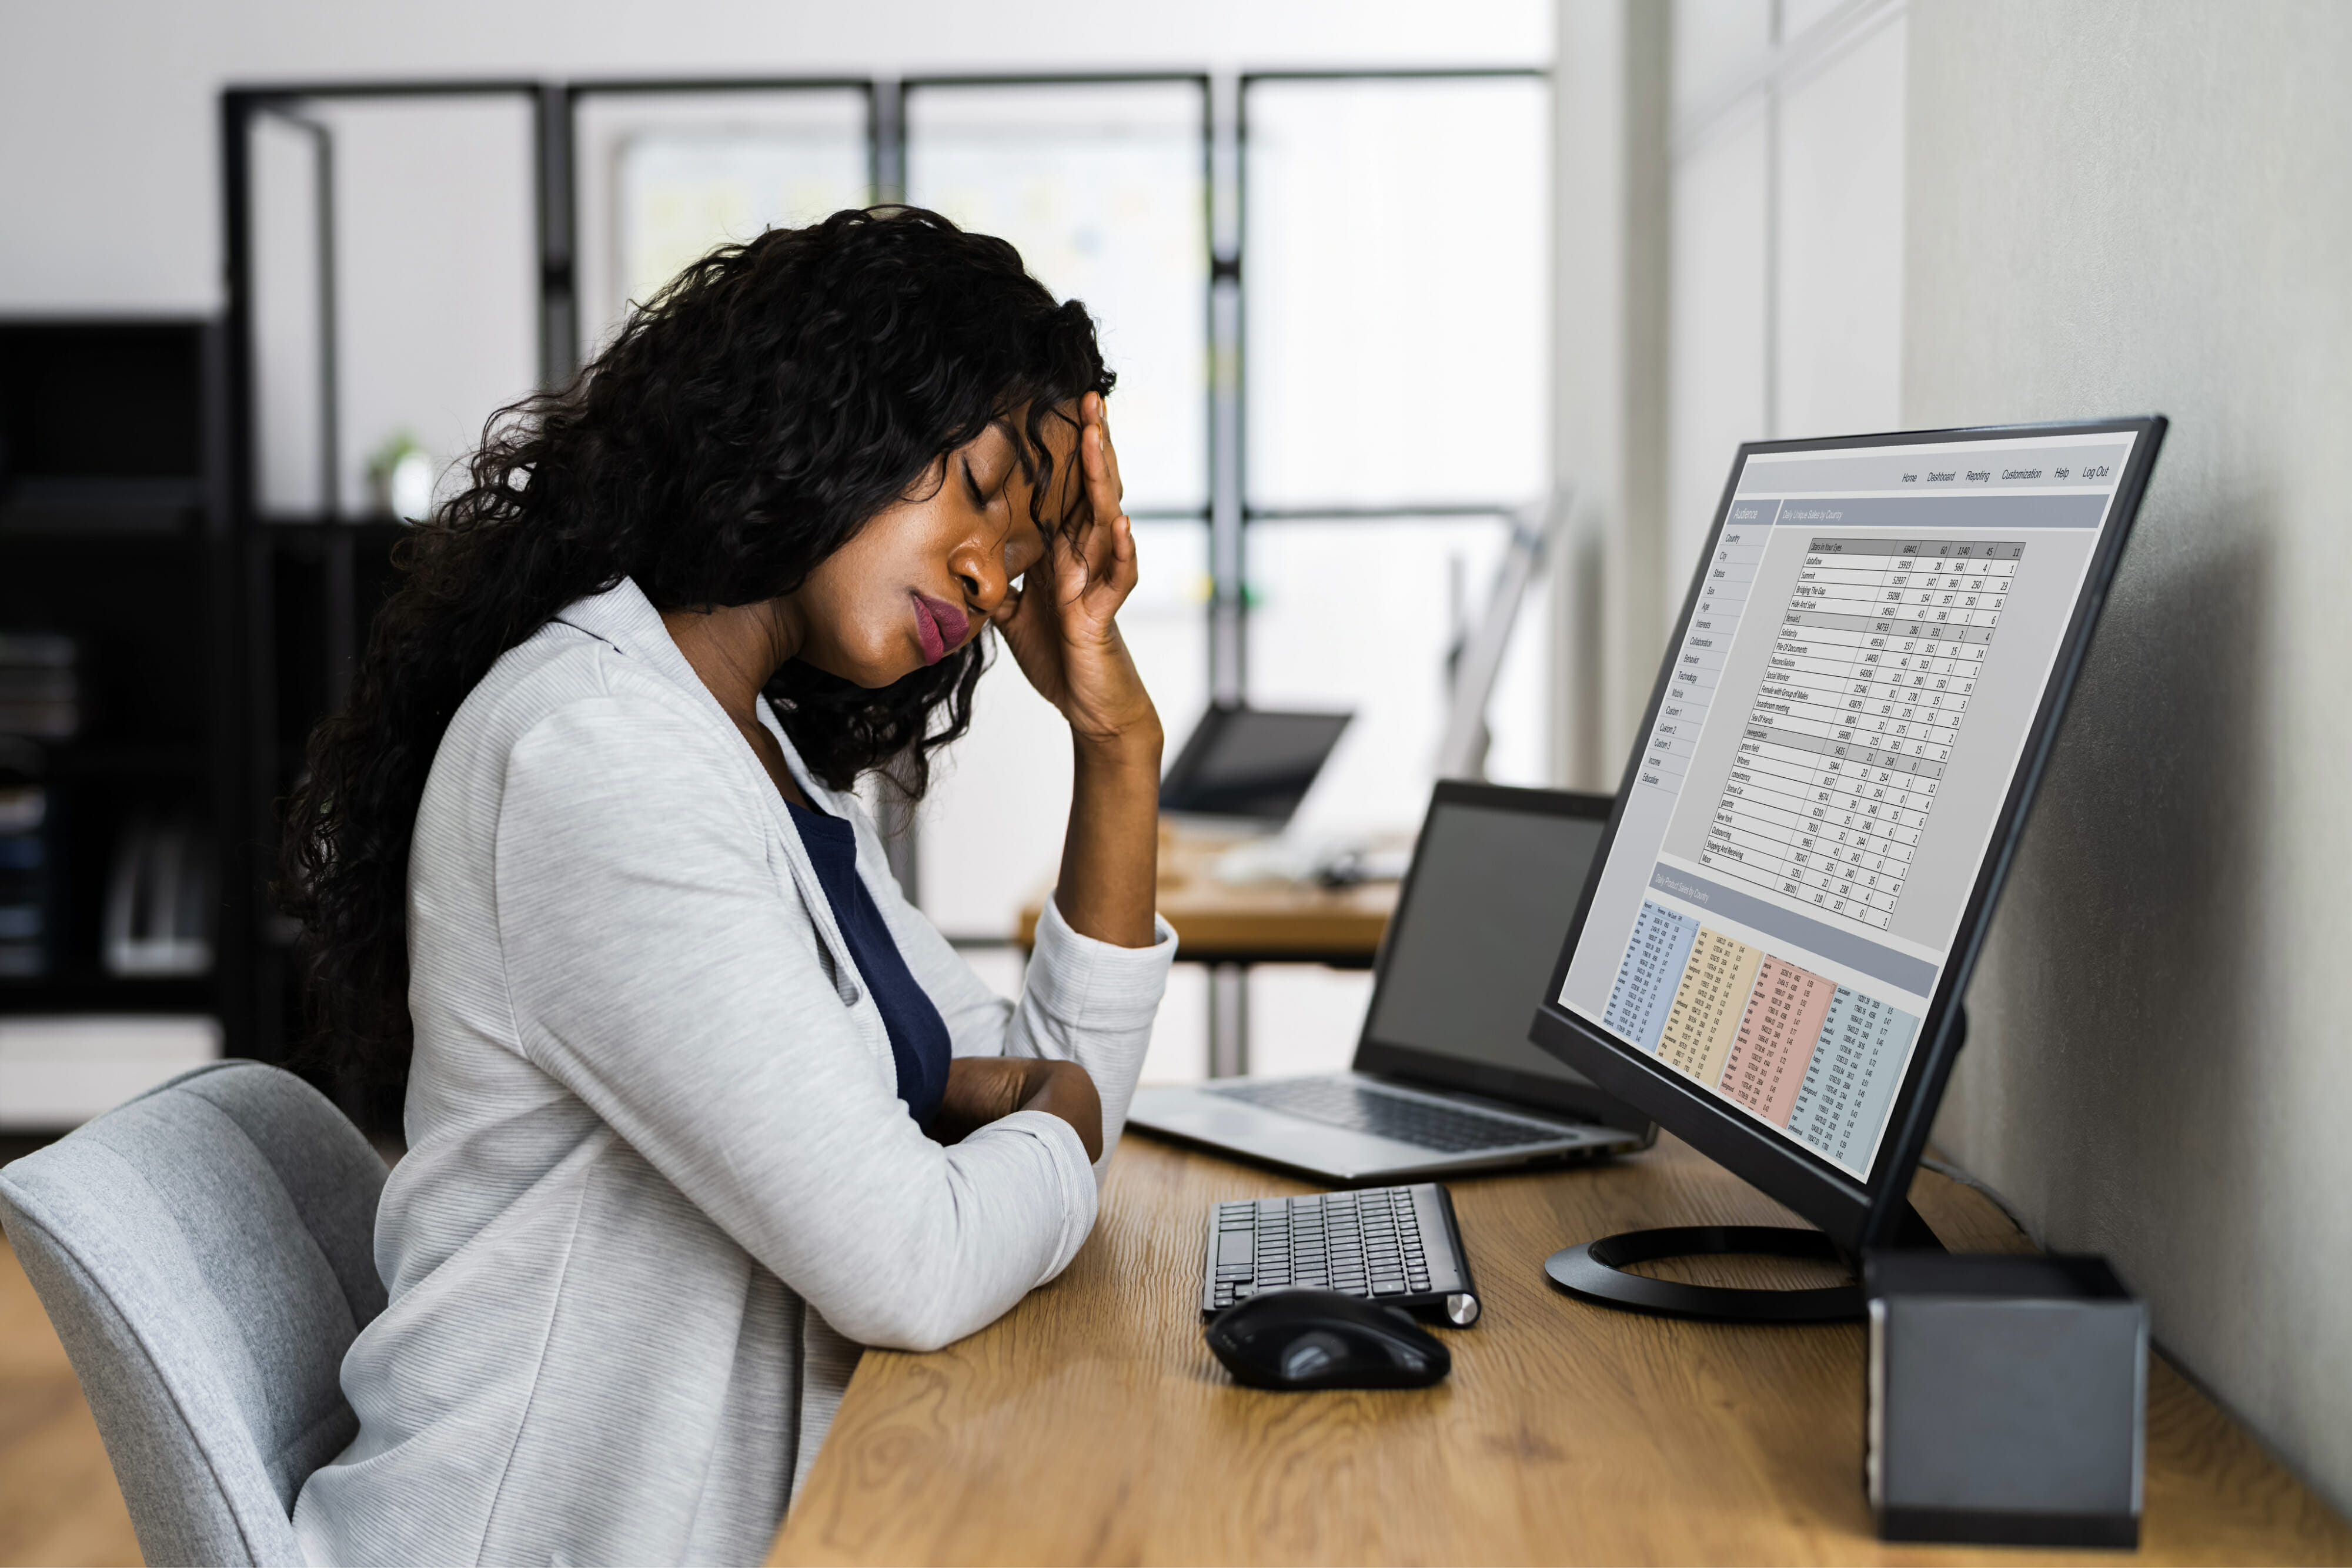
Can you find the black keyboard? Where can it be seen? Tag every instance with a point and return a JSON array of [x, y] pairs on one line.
[[1395, 1244], [1343, 1102]]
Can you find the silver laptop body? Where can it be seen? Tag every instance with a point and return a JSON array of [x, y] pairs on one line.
[[1443, 1078]]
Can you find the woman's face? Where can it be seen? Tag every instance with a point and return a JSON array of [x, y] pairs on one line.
[[916, 583]]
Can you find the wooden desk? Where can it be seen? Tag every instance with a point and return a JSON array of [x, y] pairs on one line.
[[1091, 1424], [1220, 923]]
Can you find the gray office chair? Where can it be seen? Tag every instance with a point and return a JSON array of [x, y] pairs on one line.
[[206, 1253]]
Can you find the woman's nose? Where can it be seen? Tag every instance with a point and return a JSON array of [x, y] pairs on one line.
[[980, 575]]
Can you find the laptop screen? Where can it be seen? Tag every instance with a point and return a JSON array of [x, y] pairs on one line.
[[1471, 948], [1250, 762]]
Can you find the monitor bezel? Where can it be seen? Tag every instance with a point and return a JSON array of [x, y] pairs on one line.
[[1438, 1070], [1857, 1215]]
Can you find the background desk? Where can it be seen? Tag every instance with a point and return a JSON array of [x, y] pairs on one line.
[[1230, 928], [1091, 1424]]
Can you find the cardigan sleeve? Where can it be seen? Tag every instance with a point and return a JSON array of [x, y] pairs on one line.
[[1082, 1000], [662, 969]]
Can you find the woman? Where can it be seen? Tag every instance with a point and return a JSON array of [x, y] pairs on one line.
[[696, 1101]]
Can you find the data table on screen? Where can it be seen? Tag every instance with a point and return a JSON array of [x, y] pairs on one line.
[[1819, 1059], [1846, 742]]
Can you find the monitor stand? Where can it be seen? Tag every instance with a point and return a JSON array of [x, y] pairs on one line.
[[1595, 1272]]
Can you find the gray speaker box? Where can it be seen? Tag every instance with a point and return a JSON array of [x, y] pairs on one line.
[[2008, 1400]]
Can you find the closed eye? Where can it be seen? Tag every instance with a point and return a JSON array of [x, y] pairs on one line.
[[971, 487]]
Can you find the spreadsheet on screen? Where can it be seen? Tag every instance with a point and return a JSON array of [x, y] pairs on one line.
[[1872, 636]]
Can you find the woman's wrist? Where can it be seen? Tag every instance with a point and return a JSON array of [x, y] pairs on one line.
[[1135, 744], [1109, 856]]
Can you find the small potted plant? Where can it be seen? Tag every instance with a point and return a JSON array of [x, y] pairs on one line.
[[400, 477]]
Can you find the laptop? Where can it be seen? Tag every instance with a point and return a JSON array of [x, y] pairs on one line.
[[1443, 1078], [1249, 766]]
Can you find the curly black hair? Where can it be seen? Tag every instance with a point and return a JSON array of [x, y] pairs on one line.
[[742, 426]]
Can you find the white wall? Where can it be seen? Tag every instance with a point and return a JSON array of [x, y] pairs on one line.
[[109, 152], [1785, 287], [2044, 209], [2139, 205], [1610, 98], [1730, 269]]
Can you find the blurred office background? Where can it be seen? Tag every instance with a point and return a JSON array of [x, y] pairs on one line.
[[1318, 240], [1374, 275]]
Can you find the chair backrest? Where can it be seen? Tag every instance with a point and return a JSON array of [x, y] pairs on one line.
[[206, 1253]]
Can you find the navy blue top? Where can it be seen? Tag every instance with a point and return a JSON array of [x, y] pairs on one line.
[[918, 1036]]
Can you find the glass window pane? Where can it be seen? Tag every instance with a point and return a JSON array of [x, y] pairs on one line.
[[1362, 615], [665, 177], [990, 830], [435, 278], [1100, 187], [288, 338], [1395, 267]]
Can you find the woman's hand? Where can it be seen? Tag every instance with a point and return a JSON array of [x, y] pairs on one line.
[[1064, 633], [985, 1089], [1062, 626]]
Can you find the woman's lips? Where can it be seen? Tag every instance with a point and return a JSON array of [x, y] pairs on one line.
[[940, 625]]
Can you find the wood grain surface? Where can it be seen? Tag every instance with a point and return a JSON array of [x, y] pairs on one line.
[[1219, 922], [1091, 1424], [59, 1502]]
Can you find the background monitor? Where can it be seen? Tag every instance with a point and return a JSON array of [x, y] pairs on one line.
[[1858, 700], [1250, 762]]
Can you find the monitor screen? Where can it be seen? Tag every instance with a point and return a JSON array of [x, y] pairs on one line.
[[1250, 762], [1857, 687], [1474, 938]]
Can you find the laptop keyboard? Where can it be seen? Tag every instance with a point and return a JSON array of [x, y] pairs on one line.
[[1392, 1244], [1343, 1102]]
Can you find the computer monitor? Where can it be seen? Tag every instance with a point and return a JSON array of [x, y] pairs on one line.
[[1769, 954]]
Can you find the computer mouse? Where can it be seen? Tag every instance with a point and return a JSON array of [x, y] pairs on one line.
[[1300, 1339]]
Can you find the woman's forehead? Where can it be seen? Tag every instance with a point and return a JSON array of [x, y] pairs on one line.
[[1009, 435]]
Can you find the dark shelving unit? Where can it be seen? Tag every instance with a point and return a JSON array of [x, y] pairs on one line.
[[116, 532]]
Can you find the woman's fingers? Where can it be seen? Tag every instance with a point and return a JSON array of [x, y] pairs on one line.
[[1101, 409], [1129, 566], [1083, 544], [1100, 542], [1105, 490], [1098, 463]]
